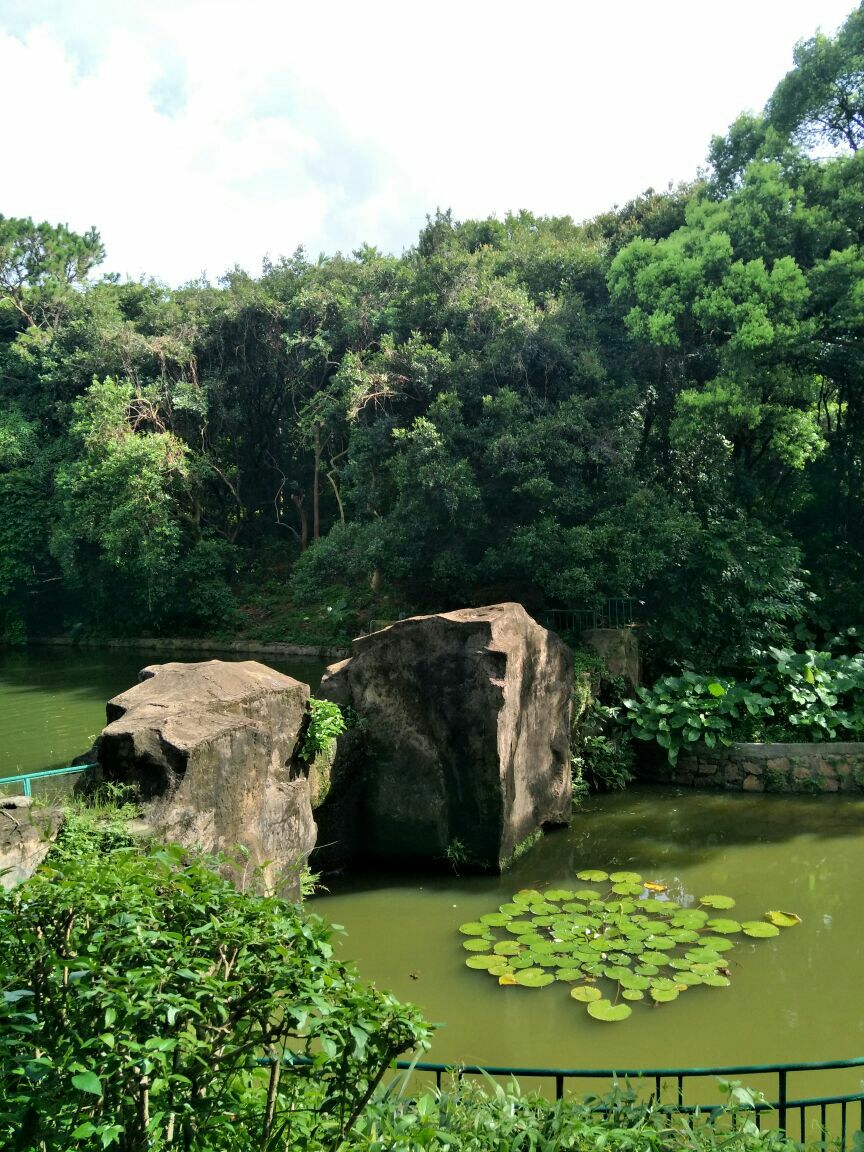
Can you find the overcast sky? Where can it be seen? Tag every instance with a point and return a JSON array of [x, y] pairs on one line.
[[200, 134]]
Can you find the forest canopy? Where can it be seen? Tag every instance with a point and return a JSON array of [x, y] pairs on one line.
[[664, 403]]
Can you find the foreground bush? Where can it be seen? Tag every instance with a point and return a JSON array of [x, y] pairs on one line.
[[143, 997], [474, 1118]]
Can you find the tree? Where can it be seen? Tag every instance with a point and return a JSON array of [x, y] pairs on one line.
[[41, 264], [821, 100]]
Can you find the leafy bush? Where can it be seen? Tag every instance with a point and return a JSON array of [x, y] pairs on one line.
[[326, 722], [601, 755], [140, 999], [806, 696], [493, 1118]]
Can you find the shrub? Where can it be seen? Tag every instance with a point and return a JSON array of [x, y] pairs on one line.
[[326, 722], [140, 994], [806, 696]]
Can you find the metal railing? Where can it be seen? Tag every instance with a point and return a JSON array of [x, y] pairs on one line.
[[616, 612], [25, 778], [669, 1090]]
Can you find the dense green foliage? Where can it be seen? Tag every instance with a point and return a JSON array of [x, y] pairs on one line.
[[326, 722], [138, 1000], [664, 402], [804, 696], [483, 1118]]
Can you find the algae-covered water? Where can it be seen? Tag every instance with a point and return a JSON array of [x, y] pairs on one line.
[[52, 700], [796, 997]]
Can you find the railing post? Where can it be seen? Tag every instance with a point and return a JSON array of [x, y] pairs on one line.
[[781, 1097], [27, 789]]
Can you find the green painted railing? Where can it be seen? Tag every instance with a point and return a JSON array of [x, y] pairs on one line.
[[669, 1089], [25, 778]]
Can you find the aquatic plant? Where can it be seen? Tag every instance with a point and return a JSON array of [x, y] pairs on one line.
[[623, 930]]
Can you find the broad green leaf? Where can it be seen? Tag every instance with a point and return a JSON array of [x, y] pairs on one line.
[[608, 1012], [586, 993], [533, 978], [473, 929], [724, 926], [475, 945], [664, 995], [783, 919], [592, 874], [720, 902], [88, 1082], [759, 929]]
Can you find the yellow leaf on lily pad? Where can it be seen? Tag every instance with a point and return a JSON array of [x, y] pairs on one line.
[[507, 979], [783, 919]]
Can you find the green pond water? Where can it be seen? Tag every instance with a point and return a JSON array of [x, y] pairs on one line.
[[796, 997], [52, 700]]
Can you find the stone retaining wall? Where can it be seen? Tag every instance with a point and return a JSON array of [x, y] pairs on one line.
[[809, 768], [183, 644]]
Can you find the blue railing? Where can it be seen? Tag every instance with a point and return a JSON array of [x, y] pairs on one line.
[[25, 778]]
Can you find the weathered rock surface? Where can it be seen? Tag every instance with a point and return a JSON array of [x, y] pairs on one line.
[[464, 738], [26, 835], [212, 747]]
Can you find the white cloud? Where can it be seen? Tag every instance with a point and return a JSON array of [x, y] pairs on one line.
[[197, 135]]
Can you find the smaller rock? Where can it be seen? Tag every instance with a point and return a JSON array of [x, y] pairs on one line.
[[26, 836], [753, 784], [16, 801]]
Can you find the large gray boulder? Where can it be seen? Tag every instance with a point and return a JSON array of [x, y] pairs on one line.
[[213, 749], [463, 742]]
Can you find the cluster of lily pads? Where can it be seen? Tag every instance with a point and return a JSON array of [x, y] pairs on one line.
[[623, 930]]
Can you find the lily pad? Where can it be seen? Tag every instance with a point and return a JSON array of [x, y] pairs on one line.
[[527, 896], [717, 901], [725, 926], [716, 980], [586, 993], [717, 943], [617, 936], [503, 947], [783, 919], [664, 995], [760, 929], [568, 975], [478, 944], [533, 978], [688, 978], [607, 1011]]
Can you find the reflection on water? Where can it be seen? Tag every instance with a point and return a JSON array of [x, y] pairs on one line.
[[795, 997]]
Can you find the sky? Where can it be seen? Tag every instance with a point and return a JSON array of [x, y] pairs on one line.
[[198, 135]]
